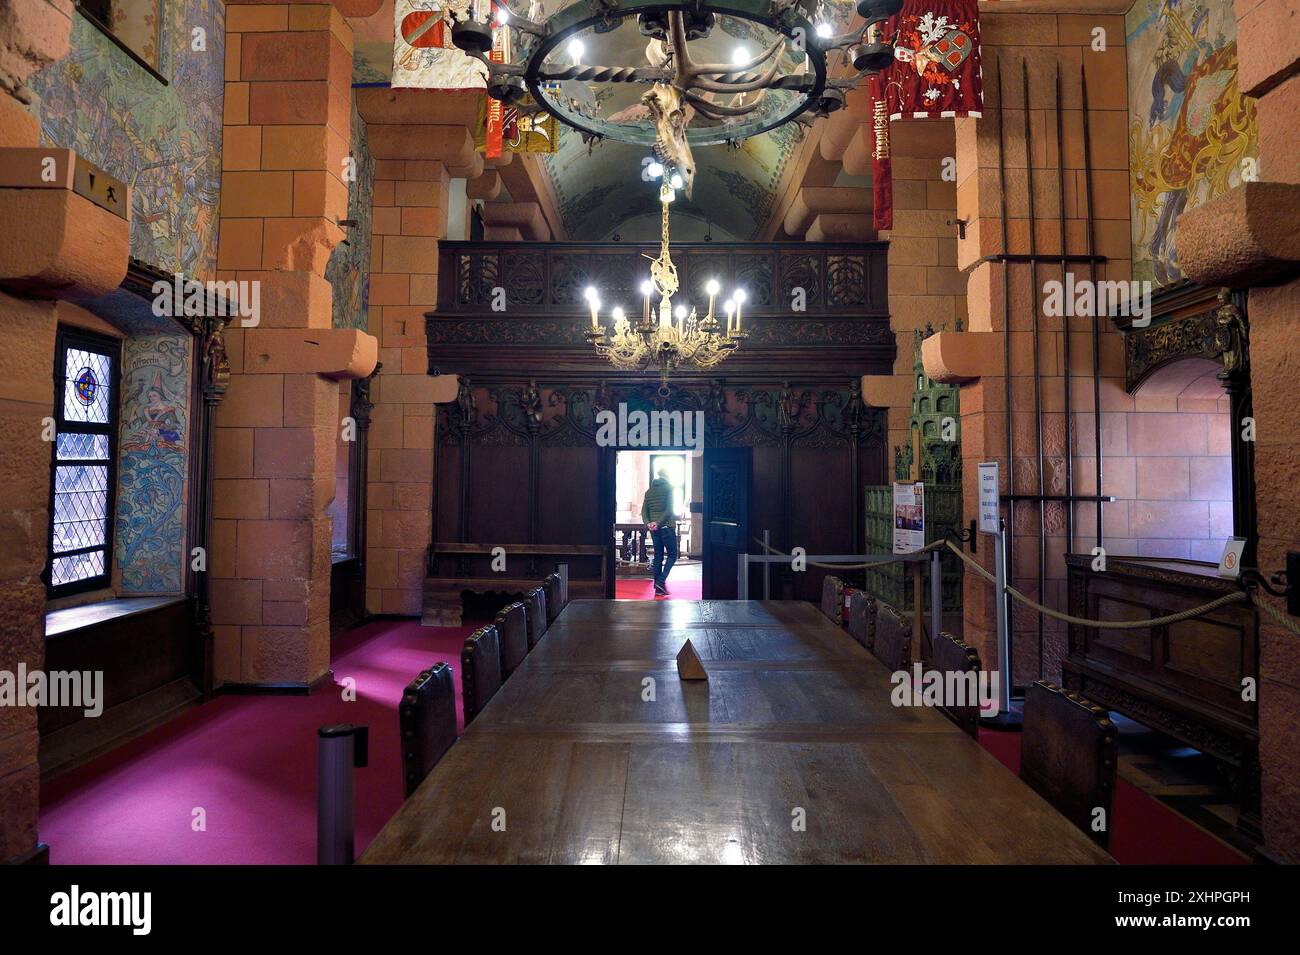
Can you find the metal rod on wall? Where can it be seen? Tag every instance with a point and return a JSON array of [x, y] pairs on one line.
[[1065, 326], [1092, 278], [1038, 380], [1006, 336]]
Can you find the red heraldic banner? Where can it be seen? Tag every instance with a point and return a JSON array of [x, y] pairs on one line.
[[882, 177], [498, 54], [936, 69]]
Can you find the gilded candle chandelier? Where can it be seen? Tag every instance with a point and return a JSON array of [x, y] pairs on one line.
[[666, 335]]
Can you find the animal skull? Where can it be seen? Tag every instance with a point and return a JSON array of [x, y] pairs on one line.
[[668, 110]]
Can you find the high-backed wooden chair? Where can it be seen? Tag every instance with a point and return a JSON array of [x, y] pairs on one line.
[[554, 604], [480, 669], [862, 618], [892, 645], [950, 655], [535, 604], [833, 598], [512, 630], [1068, 755], [427, 719]]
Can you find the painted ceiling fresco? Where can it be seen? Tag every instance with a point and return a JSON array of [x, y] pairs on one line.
[[1192, 135], [601, 188]]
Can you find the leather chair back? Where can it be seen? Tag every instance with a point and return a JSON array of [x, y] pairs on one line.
[[862, 618], [480, 669], [535, 604], [950, 655], [512, 630], [833, 598], [892, 645], [427, 721], [551, 584], [1068, 755]]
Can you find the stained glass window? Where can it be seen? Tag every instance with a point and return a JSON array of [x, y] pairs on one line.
[[83, 464]]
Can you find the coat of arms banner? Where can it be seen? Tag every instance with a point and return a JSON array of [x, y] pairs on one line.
[[935, 74], [936, 69]]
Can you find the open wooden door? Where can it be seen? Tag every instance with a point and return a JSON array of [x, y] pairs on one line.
[[726, 519]]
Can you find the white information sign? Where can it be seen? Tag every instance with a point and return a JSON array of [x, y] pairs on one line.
[[909, 517], [988, 497]]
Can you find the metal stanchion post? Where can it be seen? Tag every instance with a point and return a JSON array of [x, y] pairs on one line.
[[767, 567], [742, 577], [339, 749], [936, 597], [1005, 718]]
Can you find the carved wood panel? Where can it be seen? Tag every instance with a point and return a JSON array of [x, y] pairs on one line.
[[518, 463]]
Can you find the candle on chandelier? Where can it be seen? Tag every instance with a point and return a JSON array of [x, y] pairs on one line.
[[593, 300], [646, 288], [730, 308], [681, 319], [712, 287], [739, 296]]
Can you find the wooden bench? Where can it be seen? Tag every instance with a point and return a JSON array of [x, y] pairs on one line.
[[456, 570]]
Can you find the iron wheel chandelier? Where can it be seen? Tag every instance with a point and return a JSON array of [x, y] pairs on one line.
[[666, 336], [788, 80]]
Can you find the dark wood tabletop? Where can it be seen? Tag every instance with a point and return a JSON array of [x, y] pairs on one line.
[[790, 752]]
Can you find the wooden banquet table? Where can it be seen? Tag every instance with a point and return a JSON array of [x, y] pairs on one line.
[[573, 762]]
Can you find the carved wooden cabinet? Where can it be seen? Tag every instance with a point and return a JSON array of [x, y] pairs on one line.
[[1187, 678]]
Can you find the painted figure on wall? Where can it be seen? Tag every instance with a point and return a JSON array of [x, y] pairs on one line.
[[155, 424], [1192, 135], [153, 460]]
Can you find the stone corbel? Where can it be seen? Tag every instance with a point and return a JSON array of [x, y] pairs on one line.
[[1244, 237], [335, 353], [71, 234], [810, 202], [526, 217], [954, 357]]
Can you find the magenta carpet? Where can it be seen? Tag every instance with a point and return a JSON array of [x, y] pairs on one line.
[[249, 764], [234, 781], [637, 589]]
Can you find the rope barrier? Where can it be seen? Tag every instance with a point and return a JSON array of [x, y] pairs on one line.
[[1281, 619], [878, 563], [1277, 615], [1101, 624]]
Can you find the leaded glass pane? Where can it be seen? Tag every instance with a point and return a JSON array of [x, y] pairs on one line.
[[80, 506], [83, 447], [69, 570], [86, 390]]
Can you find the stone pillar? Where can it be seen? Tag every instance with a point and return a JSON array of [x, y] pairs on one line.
[[925, 285], [56, 225], [413, 166], [285, 144], [1003, 300], [1246, 239]]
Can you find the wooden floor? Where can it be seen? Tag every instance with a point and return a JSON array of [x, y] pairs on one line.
[[571, 762]]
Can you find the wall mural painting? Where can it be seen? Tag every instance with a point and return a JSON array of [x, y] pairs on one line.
[[163, 140], [372, 46], [1192, 135], [153, 460], [348, 269]]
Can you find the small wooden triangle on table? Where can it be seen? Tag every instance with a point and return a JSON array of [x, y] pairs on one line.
[[689, 666]]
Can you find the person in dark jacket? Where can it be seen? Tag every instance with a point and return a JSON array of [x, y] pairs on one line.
[[657, 512]]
